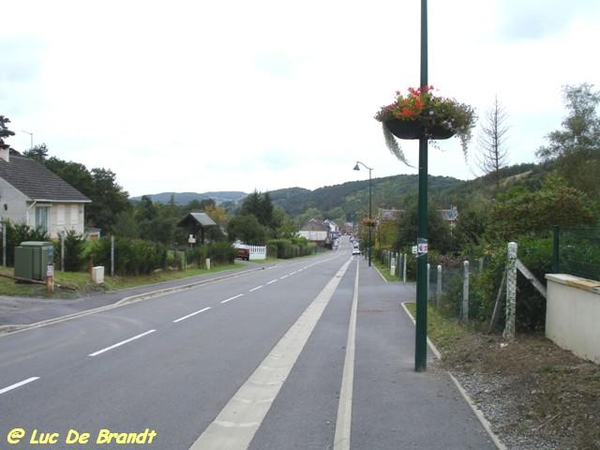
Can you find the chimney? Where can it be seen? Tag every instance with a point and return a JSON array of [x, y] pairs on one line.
[[5, 153]]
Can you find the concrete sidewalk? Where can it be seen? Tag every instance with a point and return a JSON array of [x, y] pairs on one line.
[[396, 407]]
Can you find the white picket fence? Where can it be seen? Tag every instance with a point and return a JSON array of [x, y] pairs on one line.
[[257, 252]]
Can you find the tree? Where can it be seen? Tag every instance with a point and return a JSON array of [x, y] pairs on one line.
[[472, 221], [76, 174], [575, 150], [108, 200], [260, 206], [493, 155], [439, 230], [38, 153], [534, 213], [247, 229], [4, 132]]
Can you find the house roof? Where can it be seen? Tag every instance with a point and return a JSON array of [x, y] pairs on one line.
[[315, 225], [197, 218], [37, 182]]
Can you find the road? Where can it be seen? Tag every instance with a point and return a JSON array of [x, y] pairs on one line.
[[307, 353]]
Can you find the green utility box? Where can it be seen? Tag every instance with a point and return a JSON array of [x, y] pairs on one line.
[[32, 259]]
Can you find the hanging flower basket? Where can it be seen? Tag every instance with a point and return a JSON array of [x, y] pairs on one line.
[[415, 129], [421, 114]]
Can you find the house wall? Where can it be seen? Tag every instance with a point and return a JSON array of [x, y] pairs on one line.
[[66, 217], [315, 236], [13, 203], [573, 314], [19, 210]]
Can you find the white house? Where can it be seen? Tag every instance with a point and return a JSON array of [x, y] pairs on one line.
[[33, 195], [316, 231]]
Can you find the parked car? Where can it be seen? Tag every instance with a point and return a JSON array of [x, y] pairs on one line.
[[355, 251], [243, 253]]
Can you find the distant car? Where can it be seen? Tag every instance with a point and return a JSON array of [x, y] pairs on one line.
[[356, 251], [243, 253]]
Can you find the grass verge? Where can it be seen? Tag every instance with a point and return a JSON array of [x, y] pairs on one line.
[[73, 284]]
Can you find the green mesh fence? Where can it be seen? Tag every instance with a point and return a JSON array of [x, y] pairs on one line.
[[577, 252]]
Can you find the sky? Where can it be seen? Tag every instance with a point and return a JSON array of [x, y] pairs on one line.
[[238, 95]]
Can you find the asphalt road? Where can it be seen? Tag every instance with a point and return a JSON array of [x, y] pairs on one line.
[[310, 353]]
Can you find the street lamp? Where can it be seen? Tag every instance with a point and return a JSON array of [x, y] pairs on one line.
[[30, 138], [356, 167]]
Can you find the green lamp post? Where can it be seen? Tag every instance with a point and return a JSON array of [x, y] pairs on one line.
[[356, 167], [421, 327]]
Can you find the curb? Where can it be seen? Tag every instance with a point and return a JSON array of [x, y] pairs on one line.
[[484, 422], [6, 330]]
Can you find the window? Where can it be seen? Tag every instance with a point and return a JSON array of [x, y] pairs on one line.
[[60, 215], [74, 214], [41, 217]]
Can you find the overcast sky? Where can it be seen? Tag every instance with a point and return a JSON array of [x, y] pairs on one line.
[[269, 94]]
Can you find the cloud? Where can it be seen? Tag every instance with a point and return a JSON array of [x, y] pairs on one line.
[[240, 95], [536, 19]]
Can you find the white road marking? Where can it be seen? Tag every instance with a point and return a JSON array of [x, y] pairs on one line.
[[343, 425], [191, 315], [256, 288], [237, 423], [272, 281], [231, 298], [283, 277], [19, 384], [118, 344]]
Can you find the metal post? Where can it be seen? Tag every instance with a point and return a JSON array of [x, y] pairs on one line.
[[62, 251], [511, 291], [3, 228], [112, 255], [370, 218], [356, 167], [438, 293], [421, 328], [465, 301], [30, 138]]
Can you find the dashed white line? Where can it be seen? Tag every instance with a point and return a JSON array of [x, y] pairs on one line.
[[118, 344], [191, 315], [239, 420], [231, 298], [283, 277], [19, 384], [272, 281], [256, 288]]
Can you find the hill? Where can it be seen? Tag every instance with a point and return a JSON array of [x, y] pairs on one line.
[[349, 198], [184, 198]]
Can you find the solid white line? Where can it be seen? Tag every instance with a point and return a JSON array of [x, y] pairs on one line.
[[343, 426], [19, 384], [272, 281], [231, 298], [191, 315], [237, 423], [255, 289], [118, 344]]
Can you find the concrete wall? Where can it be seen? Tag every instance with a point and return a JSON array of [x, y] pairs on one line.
[[573, 315]]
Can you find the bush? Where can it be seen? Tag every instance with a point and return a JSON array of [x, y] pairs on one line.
[[17, 233], [74, 246], [132, 256]]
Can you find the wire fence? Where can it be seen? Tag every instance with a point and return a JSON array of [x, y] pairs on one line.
[[577, 252]]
